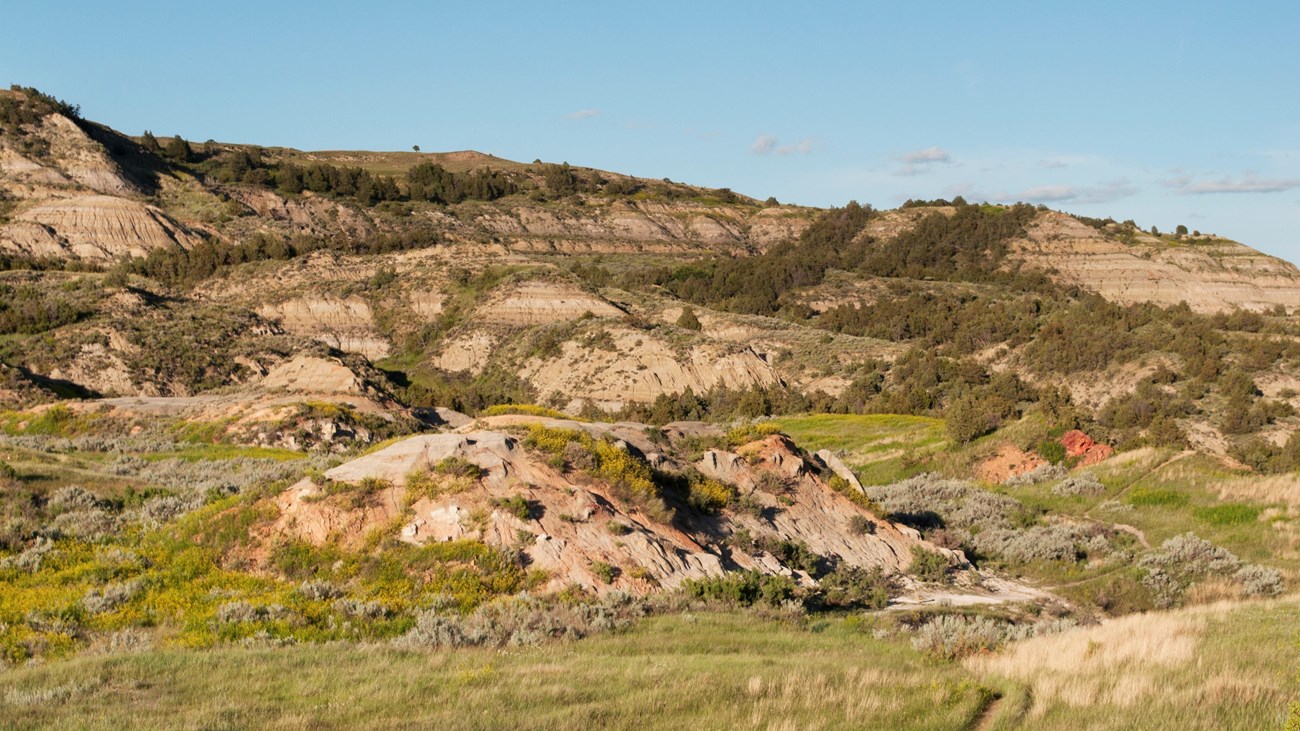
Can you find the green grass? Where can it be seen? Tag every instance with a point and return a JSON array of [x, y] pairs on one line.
[[1228, 514], [708, 670], [196, 452], [1148, 497], [882, 448], [670, 672]]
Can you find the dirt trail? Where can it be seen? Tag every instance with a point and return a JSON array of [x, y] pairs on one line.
[[1177, 457], [988, 716]]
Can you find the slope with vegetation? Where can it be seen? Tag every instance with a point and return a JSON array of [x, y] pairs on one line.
[[272, 408]]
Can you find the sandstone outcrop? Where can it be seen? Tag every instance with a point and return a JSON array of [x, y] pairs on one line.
[[638, 366], [541, 302], [95, 227], [1209, 274], [576, 524], [345, 323]]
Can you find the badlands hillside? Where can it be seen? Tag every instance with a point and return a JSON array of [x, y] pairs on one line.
[[319, 410]]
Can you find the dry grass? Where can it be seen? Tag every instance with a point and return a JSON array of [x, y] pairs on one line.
[[1265, 489], [1226, 665]]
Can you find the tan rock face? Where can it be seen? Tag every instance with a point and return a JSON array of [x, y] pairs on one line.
[[648, 222], [74, 159], [571, 516], [640, 367], [1214, 275], [468, 352], [539, 302], [307, 374], [93, 227], [343, 323]]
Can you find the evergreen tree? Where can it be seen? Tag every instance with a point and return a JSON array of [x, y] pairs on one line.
[[178, 149], [687, 320]]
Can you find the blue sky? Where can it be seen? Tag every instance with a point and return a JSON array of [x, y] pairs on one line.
[[1164, 112]]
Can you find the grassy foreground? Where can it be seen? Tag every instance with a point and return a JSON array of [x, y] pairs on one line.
[[1232, 666], [706, 671]]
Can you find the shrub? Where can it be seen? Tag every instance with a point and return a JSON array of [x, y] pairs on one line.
[[1052, 451], [1259, 581], [630, 478], [110, 597], [709, 495], [523, 620], [751, 432], [794, 554], [1183, 559], [242, 612], [360, 609], [458, 467], [742, 588], [1037, 543], [129, 641], [518, 506], [319, 591], [605, 572], [1042, 473], [526, 409], [72, 497], [953, 636], [91, 525], [928, 565], [861, 525], [969, 418], [930, 500], [619, 529], [1081, 484], [854, 586]]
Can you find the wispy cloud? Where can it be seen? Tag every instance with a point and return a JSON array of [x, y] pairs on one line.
[[1248, 183], [763, 144], [1103, 193], [929, 154], [770, 144], [920, 161], [583, 114], [1058, 193], [802, 147]]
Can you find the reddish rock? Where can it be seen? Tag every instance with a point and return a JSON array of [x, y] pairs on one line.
[[1089, 452], [1009, 461]]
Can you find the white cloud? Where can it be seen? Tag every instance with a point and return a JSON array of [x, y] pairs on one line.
[[920, 161], [929, 154], [763, 144], [1058, 193], [768, 144], [583, 114], [802, 147], [1103, 193], [1248, 183]]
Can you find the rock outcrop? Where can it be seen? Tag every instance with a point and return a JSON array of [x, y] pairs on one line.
[[638, 366], [345, 323], [1081, 446], [95, 227], [576, 528], [1209, 274]]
